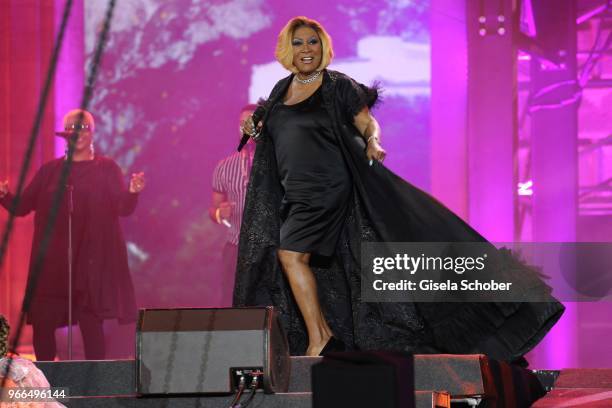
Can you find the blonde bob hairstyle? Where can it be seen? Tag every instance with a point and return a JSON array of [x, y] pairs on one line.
[[284, 47]]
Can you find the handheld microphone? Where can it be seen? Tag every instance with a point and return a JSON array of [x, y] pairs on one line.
[[257, 116], [66, 134]]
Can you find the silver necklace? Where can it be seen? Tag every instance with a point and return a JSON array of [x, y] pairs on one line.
[[308, 80]]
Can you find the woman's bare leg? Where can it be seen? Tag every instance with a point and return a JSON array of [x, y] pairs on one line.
[[304, 288]]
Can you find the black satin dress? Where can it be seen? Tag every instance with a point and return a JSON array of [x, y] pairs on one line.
[[316, 181]]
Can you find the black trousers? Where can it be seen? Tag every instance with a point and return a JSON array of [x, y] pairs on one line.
[[92, 330]]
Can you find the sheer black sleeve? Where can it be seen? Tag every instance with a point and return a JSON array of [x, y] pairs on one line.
[[264, 105], [355, 96]]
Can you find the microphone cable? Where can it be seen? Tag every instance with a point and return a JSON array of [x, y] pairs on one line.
[[239, 393], [254, 385]]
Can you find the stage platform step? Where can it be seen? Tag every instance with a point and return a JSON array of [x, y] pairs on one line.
[[458, 375], [585, 378], [587, 387], [576, 397], [439, 380], [424, 399]]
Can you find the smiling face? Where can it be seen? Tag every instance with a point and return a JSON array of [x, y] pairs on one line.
[[307, 50]]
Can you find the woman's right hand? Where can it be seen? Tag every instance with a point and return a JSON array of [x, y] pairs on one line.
[[249, 128], [3, 188]]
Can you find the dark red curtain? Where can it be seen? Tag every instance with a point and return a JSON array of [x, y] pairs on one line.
[[26, 41]]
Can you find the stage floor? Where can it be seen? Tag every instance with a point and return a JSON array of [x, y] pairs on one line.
[[440, 381]]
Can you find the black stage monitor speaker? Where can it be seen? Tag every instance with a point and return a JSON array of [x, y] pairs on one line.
[[203, 351]]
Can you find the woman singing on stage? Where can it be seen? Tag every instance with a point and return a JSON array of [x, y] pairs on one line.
[[317, 190], [97, 197]]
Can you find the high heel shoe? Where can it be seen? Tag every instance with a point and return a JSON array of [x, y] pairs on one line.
[[333, 344], [520, 361]]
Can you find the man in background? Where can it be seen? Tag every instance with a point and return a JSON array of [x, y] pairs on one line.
[[229, 185]]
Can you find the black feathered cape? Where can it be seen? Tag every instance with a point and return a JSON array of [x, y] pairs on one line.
[[384, 208]]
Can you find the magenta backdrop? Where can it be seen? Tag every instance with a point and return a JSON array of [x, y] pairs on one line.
[[174, 77]]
